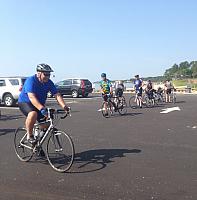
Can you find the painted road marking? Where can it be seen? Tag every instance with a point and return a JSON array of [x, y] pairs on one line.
[[17, 108], [9, 108], [168, 110], [92, 98], [68, 102]]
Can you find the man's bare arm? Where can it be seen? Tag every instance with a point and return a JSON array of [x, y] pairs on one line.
[[60, 100], [35, 101], [111, 89]]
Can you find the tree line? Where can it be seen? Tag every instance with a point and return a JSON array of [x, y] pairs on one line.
[[182, 71]]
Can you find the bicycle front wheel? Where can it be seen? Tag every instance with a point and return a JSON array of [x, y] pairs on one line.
[[132, 102], [60, 151], [148, 102], [122, 106], [23, 149], [174, 99], [107, 109]]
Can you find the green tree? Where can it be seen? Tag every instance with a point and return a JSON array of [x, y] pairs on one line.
[[193, 65], [183, 70]]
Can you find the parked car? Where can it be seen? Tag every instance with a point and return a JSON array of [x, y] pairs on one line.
[[74, 87], [10, 88]]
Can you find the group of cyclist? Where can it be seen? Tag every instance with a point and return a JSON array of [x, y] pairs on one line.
[[34, 94], [107, 89]]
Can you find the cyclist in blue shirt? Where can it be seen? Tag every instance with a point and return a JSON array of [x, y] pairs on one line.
[[33, 98], [138, 89]]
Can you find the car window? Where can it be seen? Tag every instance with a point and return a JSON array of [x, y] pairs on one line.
[[67, 82], [76, 81], [87, 82], [2, 83], [14, 81], [61, 83], [23, 80]]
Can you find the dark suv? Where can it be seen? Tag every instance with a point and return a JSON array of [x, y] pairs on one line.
[[74, 87]]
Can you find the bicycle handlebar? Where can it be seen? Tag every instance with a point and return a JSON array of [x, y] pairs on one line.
[[51, 112]]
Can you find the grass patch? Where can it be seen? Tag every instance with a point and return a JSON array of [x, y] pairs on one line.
[[182, 83], [179, 83]]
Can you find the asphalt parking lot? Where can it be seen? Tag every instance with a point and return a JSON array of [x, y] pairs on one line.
[[144, 155]]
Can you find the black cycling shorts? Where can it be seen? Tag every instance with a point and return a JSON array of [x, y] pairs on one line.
[[26, 108], [105, 97], [139, 92], [168, 91]]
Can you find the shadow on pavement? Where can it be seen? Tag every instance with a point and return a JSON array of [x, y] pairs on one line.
[[116, 115], [132, 114], [95, 160], [6, 131], [180, 102]]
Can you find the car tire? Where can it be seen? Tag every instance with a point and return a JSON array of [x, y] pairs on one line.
[[8, 100], [75, 94]]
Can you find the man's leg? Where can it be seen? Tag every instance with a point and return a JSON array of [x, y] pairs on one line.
[[166, 97], [30, 121], [140, 101], [169, 100], [170, 93]]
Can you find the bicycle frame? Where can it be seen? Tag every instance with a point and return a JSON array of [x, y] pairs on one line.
[[49, 129]]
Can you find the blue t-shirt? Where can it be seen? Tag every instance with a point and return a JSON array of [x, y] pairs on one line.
[[33, 85], [138, 84]]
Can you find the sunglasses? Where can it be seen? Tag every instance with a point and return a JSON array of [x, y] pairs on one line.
[[47, 74]]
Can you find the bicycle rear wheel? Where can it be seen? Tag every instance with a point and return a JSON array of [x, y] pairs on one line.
[[60, 151], [148, 102], [159, 99], [174, 98], [132, 102], [122, 106], [107, 109], [23, 149]]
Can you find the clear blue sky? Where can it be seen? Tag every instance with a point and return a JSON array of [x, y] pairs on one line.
[[82, 38]]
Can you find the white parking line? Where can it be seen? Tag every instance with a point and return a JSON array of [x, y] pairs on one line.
[[9, 108], [88, 99]]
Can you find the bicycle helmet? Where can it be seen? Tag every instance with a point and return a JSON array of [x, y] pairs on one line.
[[103, 75], [43, 68]]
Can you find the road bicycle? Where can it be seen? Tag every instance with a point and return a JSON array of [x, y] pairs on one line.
[[154, 100], [114, 104], [59, 145], [148, 101], [159, 97], [135, 99]]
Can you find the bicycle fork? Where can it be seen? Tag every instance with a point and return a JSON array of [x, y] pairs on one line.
[[58, 146]]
